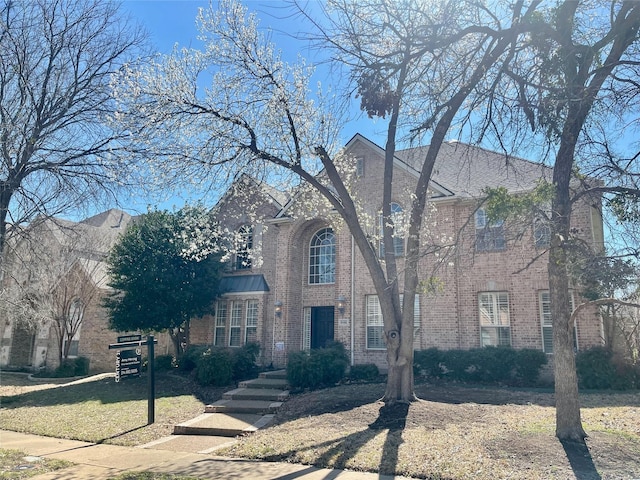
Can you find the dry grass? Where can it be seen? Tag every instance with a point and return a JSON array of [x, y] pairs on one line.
[[455, 433], [17, 465], [100, 410]]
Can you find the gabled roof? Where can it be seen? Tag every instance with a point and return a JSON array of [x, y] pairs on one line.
[[278, 197], [466, 170]]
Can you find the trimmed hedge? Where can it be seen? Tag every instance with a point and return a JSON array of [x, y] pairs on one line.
[[364, 373], [220, 366], [322, 367], [598, 368], [489, 365]]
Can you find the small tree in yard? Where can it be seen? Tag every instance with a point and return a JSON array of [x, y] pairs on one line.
[[164, 270]]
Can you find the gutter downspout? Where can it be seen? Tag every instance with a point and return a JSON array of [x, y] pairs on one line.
[[353, 289]]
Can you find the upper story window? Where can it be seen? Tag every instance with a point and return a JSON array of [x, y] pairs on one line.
[[398, 238], [360, 167], [489, 235], [541, 232], [322, 257], [244, 244]]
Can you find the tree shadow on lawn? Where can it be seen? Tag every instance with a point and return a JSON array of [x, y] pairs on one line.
[[107, 390], [391, 420], [580, 460]]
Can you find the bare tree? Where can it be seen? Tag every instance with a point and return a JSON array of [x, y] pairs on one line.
[[568, 92], [56, 60]]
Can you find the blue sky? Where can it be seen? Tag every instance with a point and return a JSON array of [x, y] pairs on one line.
[[171, 22]]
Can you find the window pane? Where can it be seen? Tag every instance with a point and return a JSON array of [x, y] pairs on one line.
[[243, 248], [221, 323], [322, 257], [235, 337], [494, 319], [251, 329], [375, 324]]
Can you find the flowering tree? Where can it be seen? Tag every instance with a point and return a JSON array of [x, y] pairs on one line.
[[164, 270], [259, 115]]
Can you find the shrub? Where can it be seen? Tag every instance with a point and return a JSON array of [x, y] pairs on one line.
[[428, 363], [367, 373], [214, 367], [495, 364], [164, 362], [70, 367], [81, 366], [529, 363], [244, 361], [318, 368], [189, 359], [598, 368], [491, 365]]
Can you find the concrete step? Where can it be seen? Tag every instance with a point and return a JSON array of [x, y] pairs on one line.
[[243, 406], [264, 394], [272, 383], [279, 374], [222, 424]]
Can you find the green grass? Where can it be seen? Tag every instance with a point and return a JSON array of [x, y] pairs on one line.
[[16, 465], [103, 411]]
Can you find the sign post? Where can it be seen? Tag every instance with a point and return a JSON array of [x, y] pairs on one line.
[[129, 363]]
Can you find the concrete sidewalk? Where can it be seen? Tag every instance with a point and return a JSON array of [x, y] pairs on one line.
[[101, 462]]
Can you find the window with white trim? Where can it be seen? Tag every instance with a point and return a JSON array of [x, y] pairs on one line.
[[489, 235], [251, 323], [547, 322], [398, 237], [495, 327], [221, 324], [322, 257], [375, 323], [235, 325]]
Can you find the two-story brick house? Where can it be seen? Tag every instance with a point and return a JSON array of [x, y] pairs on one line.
[[297, 280], [62, 264]]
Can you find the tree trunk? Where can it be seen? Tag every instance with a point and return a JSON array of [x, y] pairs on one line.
[[568, 421]]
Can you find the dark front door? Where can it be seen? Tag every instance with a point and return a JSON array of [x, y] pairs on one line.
[[321, 326]]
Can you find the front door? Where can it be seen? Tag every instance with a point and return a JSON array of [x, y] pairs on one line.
[[321, 326]]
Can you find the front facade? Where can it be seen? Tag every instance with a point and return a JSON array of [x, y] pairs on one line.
[[297, 280]]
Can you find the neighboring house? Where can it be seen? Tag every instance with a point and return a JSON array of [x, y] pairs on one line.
[[55, 268], [297, 280]]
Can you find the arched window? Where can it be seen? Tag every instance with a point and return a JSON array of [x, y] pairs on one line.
[[72, 328], [244, 244], [322, 257], [398, 238]]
